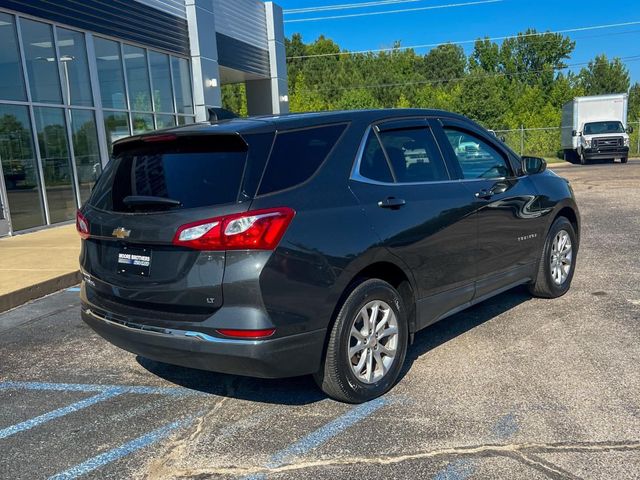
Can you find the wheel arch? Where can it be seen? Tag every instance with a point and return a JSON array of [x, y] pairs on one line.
[[388, 271]]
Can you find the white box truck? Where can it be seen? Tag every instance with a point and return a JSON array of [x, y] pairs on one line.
[[595, 128]]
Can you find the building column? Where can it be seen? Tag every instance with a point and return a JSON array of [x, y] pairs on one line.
[[204, 57], [271, 95]]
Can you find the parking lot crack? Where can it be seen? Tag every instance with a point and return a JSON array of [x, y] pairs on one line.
[[523, 452]]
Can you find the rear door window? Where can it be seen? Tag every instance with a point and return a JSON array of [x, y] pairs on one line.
[[195, 172], [374, 165], [414, 155], [297, 155]]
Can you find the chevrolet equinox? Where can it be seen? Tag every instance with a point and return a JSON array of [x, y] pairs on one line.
[[315, 243]]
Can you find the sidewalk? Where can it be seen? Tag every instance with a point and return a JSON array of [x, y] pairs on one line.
[[36, 264]]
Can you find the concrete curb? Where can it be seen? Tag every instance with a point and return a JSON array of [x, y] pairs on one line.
[[22, 296]]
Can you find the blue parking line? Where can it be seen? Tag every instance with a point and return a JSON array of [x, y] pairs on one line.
[[322, 435], [122, 451], [73, 289], [81, 387], [74, 407]]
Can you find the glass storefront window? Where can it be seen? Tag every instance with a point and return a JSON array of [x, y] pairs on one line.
[[116, 125], [185, 120], [135, 62], [41, 61], [165, 121], [142, 123], [182, 84], [19, 168], [76, 84], [56, 163], [11, 77], [85, 150], [161, 78], [110, 74]]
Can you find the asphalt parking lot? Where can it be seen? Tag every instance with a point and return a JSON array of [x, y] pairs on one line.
[[515, 387]]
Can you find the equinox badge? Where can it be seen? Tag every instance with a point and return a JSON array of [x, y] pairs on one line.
[[121, 233]]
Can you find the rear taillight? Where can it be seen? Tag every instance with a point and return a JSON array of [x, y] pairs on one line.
[[255, 230], [264, 333], [82, 225]]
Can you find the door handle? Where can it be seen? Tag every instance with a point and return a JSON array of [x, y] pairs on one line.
[[488, 193], [392, 203], [484, 193]]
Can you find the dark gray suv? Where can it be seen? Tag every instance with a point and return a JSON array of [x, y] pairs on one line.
[[316, 243]]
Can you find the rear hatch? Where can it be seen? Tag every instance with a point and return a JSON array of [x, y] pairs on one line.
[[152, 187]]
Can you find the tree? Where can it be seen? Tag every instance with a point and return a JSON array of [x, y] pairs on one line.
[[634, 103], [534, 57], [485, 56], [601, 76], [444, 63]]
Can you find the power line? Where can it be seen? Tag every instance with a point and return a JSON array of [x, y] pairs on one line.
[[346, 6], [463, 42], [387, 12], [631, 58]]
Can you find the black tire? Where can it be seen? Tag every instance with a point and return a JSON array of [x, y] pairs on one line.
[[544, 285], [583, 159], [570, 156], [336, 377], [625, 159]]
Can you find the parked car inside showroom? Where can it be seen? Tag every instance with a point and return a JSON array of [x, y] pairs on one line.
[[315, 243]]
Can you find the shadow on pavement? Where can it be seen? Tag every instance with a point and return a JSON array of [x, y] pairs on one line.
[[460, 323], [303, 390]]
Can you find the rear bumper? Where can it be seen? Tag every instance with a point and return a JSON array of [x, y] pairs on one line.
[[288, 356], [605, 153]]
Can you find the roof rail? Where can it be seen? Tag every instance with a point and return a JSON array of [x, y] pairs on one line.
[[217, 113]]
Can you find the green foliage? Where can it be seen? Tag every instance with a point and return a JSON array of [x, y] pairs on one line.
[[519, 82], [602, 76]]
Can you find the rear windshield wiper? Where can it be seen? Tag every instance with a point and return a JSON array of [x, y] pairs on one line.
[[145, 200]]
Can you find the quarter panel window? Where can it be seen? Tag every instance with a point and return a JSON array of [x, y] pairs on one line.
[[414, 155], [476, 157], [297, 155]]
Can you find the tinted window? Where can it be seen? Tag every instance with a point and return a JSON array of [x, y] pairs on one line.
[[374, 163], [196, 172], [477, 158], [110, 74], [414, 155], [41, 60], [11, 80], [297, 155], [75, 67]]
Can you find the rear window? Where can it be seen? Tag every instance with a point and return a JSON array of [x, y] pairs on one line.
[[297, 155], [196, 172]]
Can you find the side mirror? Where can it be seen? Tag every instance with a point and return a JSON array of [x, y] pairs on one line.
[[629, 129], [533, 165], [503, 139], [574, 133]]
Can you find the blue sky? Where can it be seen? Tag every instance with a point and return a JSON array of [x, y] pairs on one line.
[[503, 18]]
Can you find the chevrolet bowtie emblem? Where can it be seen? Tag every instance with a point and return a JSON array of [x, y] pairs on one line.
[[121, 233]]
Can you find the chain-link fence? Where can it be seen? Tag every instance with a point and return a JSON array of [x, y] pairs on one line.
[[545, 142]]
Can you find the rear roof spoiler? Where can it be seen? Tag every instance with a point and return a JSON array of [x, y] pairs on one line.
[[216, 114]]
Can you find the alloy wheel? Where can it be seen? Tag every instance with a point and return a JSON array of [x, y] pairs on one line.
[[561, 257], [373, 341]]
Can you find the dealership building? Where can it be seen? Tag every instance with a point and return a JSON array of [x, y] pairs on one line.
[[76, 75]]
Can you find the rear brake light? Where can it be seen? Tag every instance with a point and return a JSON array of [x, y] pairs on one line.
[[254, 230], [82, 225], [160, 138], [267, 332]]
